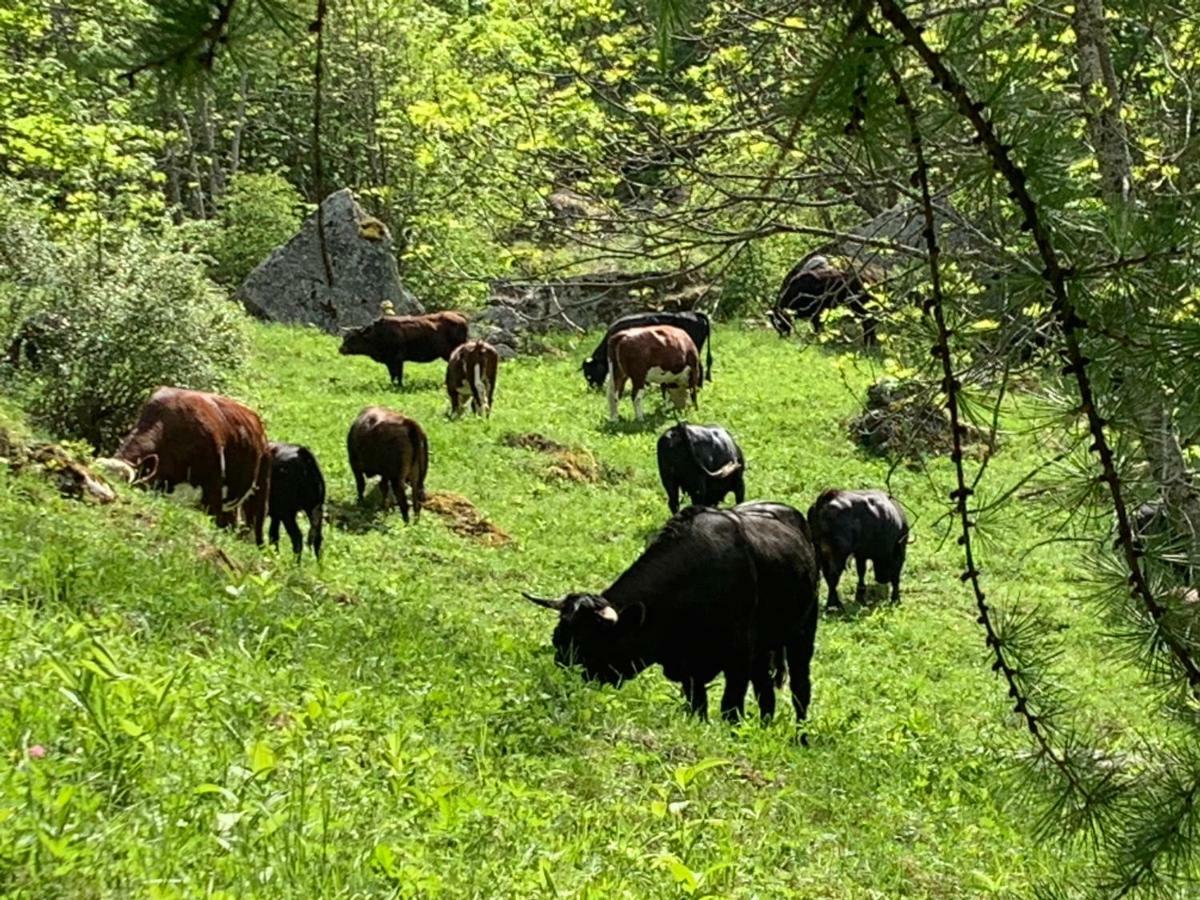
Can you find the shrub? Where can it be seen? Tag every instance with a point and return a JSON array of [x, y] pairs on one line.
[[258, 213], [101, 329]]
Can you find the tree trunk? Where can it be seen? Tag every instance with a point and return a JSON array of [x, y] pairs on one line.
[[1151, 413]]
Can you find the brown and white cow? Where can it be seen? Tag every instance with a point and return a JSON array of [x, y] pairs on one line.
[[385, 443], [207, 441], [471, 372], [657, 354]]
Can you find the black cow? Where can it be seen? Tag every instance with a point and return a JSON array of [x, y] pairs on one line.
[[297, 486], [717, 591], [814, 286], [595, 367], [703, 461], [870, 525]]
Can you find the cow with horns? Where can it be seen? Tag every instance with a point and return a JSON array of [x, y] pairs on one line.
[[717, 591]]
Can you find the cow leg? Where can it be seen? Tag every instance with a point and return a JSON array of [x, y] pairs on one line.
[[860, 592], [614, 394], [764, 686], [211, 498], [401, 499], [454, 401], [832, 564], [383, 492], [396, 370], [360, 483], [293, 531], [696, 694], [273, 533], [316, 517], [733, 700], [635, 393], [799, 655]]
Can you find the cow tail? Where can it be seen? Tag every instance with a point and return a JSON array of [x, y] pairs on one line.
[[708, 351], [422, 448]]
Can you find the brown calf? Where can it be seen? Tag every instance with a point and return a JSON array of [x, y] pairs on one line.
[[472, 372], [210, 442], [395, 340], [658, 354], [393, 447]]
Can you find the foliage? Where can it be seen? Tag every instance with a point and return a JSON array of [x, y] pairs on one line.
[[110, 324], [392, 720], [258, 213]]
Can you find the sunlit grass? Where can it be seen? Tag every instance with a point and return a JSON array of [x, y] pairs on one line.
[[391, 721]]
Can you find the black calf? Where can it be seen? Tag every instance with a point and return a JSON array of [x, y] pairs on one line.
[[868, 525], [703, 461], [297, 486]]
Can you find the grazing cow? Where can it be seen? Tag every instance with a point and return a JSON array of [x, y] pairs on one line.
[[658, 354], [297, 486], [815, 286], [703, 461], [870, 525], [208, 441], [595, 367], [395, 340], [717, 591], [392, 446], [471, 372]]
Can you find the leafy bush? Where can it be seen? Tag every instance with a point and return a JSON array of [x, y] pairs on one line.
[[91, 331], [258, 213]]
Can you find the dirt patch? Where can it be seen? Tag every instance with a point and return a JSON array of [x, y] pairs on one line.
[[533, 441], [904, 419], [574, 464], [463, 518]]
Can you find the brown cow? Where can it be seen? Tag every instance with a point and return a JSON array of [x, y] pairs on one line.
[[210, 442], [395, 340], [471, 372], [657, 354], [385, 443]]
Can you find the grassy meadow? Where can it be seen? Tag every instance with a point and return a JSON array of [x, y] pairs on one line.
[[182, 714]]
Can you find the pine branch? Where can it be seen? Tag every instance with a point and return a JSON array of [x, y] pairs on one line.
[[951, 386], [1056, 276]]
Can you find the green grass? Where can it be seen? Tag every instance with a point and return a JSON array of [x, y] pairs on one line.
[[393, 723]]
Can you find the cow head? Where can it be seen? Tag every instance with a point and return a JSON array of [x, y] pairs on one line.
[[590, 633], [780, 322], [358, 341], [595, 371]]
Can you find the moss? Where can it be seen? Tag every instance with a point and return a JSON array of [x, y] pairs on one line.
[[372, 229]]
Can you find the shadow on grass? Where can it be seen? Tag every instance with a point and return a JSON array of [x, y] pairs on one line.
[[359, 518], [878, 602], [653, 422]]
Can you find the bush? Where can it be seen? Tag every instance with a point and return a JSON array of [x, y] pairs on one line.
[[258, 213], [90, 333]]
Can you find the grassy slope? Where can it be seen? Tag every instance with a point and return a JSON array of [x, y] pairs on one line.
[[393, 720]]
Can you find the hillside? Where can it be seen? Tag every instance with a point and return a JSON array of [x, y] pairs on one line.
[[215, 719]]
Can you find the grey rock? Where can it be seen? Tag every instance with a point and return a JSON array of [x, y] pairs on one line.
[[290, 285]]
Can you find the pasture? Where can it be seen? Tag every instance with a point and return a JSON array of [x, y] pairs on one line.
[[208, 718]]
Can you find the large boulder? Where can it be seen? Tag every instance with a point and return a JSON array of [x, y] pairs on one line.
[[290, 284]]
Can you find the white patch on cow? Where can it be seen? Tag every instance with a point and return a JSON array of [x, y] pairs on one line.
[[655, 375], [481, 387], [637, 405], [611, 386]]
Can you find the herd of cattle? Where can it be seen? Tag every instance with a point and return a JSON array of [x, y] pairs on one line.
[[730, 591]]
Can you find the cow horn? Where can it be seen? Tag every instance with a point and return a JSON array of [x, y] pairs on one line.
[[556, 605], [608, 614]]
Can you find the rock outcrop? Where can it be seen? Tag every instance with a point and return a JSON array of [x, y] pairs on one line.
[[290, 285]]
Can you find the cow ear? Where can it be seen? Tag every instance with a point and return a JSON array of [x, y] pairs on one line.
[[633, 616], [555, 605]]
